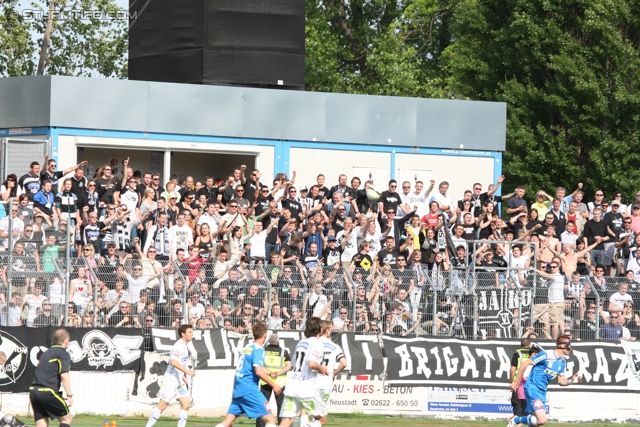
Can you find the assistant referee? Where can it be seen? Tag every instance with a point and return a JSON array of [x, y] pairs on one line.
[[44, 393]]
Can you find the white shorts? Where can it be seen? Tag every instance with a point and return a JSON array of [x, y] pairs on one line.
[[314, 406], [172, 388]]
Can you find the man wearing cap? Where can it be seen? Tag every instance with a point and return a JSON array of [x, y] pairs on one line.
[[305, 201], [332, 253], [277, 363], [635, 217]]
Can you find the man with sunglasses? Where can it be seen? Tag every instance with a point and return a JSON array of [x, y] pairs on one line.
[[52, 176], [612, 331], [555, 296], [546, 365]]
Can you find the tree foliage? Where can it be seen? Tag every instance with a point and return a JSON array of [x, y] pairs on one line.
[[567, 71], [85, 39]]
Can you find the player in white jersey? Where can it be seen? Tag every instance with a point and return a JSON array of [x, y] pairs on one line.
[[174, 381], [333, 358], [301, 391]]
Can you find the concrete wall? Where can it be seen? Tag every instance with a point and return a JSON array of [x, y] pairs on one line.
[[110, 394]]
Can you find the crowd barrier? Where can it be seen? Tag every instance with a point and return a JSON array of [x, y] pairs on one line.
[[413, 376], [90, 291]]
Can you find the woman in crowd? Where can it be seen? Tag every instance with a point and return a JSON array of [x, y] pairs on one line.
[[10, 187]]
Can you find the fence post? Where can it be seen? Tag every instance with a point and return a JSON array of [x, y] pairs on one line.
[[68, 273], [185, 309], [9, 268]]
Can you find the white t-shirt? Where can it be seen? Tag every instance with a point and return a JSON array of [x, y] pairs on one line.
[[351, 247], [374, 240], [130, 199], [180, 237], [443, 200], [332, 353], [258, 244], [301, 381], [419, 200], [556, 288], [212, 221], [618, 300], [519, 262], [196, 311], [135, 285], [179, 352]]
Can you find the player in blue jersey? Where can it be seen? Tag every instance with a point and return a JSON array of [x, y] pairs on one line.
[[545, 366], [247, 398]]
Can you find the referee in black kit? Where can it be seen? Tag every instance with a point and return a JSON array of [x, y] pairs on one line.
[[44, 393]]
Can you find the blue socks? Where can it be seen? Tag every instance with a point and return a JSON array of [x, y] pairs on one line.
[[530, 420]]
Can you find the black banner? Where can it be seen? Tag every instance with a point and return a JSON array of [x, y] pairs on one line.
[[106, 349], [109, 349], [219, 348], [456, 362], [18, 351]]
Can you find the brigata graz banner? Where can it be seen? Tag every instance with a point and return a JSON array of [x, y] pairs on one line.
[[219, 348], [108, 349], [485, 364]]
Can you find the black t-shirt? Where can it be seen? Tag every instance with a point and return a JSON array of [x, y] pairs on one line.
[[332, 257], [294, 207], [323, 192], [614, 222], [484, 197], [363, 261], [593, 229], [389, 258], [263, 204], [53, 179], [211, 193], [78, 186], [390, 200], [106, 196], [290, 303], [48, 373], [250, 190], [272, 237]]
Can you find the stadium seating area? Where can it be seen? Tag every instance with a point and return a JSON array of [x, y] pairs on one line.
[[129, 251]]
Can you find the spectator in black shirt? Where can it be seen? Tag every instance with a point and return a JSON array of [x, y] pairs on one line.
[[390, 199], [593, 228]]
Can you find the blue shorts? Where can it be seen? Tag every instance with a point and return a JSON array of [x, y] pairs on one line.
[[536, 400], [254, 405]]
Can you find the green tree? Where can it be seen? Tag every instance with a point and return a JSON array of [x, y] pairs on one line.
[[16, 47], [568, 71], [378, 47], [64, 37]]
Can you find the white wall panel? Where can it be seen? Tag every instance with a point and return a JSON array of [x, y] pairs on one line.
[[309, 162], [461, 172]]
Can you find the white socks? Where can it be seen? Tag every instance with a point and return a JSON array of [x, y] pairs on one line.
[[182, 418], [304, 420], [270, 425], [155, 414], [315, 423]]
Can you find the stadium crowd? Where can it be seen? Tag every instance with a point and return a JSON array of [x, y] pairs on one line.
[[229, 252]]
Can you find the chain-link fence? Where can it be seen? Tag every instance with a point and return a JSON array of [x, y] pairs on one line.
[[475, 298]]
